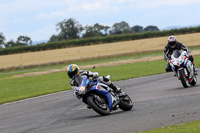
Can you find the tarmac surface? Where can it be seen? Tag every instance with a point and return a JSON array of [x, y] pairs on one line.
[[159, 101]]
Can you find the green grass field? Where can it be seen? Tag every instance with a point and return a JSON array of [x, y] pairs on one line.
[[13, 89], [19, 88], [190, 127]]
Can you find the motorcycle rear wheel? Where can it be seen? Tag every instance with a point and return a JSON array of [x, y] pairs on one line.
[[194, 81], [97, 107]]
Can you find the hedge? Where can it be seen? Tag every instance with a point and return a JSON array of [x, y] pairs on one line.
[[96, 40]]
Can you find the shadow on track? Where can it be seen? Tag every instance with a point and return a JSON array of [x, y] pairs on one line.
[[182, 88], [95, 115]]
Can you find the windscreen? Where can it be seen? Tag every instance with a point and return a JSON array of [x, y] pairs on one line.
[[177, 53]]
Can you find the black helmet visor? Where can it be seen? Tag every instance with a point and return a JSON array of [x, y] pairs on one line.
[[172, 43], [71, 74]]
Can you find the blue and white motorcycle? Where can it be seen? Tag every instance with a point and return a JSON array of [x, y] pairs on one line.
[[100, 97]]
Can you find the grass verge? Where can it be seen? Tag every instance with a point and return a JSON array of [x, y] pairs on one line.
[[190, 127], [13, 89]]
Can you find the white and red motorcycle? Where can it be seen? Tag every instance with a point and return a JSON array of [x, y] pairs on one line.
[[183, 68]]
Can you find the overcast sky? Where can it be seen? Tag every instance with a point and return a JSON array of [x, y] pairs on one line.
[[38, 18]]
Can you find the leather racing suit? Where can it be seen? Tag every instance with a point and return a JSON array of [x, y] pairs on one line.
[[76, 82], [168, 52]]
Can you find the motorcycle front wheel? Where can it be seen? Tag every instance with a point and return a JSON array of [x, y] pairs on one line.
[[126, 103], [183, 78], [98, 104]]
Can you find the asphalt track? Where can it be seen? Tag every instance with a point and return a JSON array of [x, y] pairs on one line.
[[159, 101]]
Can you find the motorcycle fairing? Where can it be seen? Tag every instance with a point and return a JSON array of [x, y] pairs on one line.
[[84, 83], [103, 90], [99, 88]]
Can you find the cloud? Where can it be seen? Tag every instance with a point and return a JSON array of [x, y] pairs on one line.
[[38, 34], [158, 3], [2, 24], [181, 2], [86, 6], [17, 20], [92, 6], [22, 6], [52, 15], [120, 1], [31, 17], [42, 34]]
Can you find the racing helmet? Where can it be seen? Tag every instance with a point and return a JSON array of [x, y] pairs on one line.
[[73, 70], [172, 41]]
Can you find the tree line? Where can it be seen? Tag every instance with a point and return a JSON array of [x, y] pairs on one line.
[[72, 29], [21, 41]]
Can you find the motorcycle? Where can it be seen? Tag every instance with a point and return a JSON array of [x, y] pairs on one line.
[[183, 68], [101, 98]]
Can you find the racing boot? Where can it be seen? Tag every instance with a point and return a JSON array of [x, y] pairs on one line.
[[117, 89]]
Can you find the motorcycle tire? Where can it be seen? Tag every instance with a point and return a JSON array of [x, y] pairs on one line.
[[194, 81], [126, 103], [183, 79], [96, 107]]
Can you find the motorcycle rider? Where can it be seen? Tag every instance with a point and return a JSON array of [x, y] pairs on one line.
[[172, 45], [76, 76]]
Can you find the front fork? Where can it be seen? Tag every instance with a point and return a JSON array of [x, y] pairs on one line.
[[185, 72], [190, 68], [190, 76], [175, 72]]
